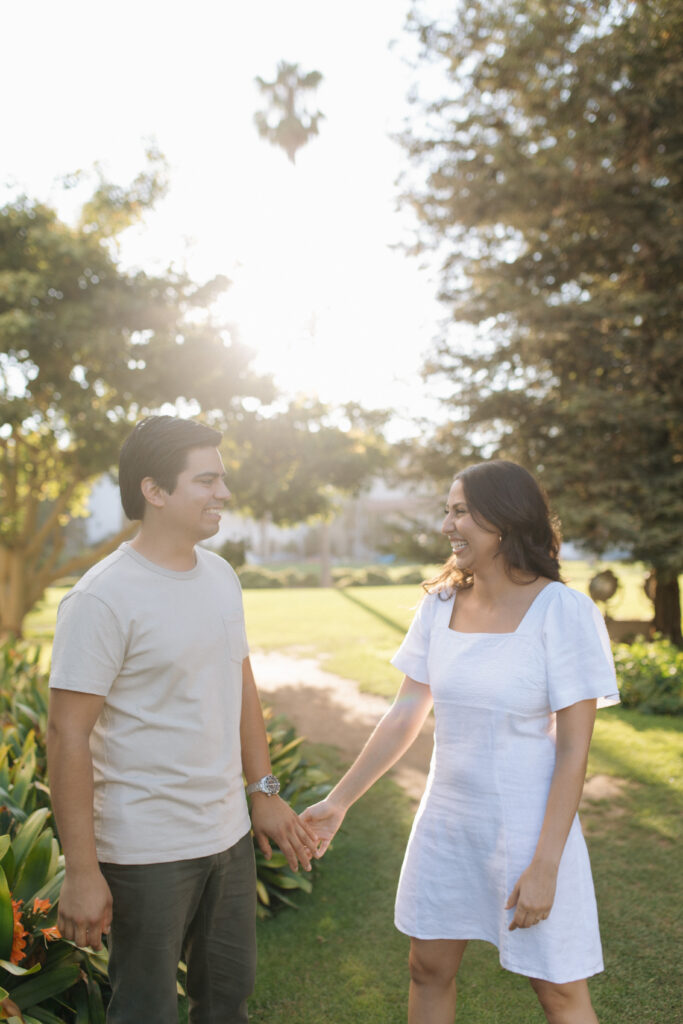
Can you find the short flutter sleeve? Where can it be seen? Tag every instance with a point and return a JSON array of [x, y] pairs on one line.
[[579, 663], [411, 657]]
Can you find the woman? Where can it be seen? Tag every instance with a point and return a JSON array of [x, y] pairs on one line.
[[514, 663]]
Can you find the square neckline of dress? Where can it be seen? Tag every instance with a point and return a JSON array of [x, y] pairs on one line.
[[462, 632]]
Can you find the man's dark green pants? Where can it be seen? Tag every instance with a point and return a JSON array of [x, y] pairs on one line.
[[201, 911]]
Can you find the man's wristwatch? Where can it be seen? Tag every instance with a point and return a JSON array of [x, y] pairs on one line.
[[268, 785]]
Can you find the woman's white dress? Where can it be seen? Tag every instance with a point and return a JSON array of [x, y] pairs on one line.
[[476, 829]]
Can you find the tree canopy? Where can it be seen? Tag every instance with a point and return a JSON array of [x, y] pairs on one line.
[[297, 463], [294, 464], [86, 348], [546, 178]]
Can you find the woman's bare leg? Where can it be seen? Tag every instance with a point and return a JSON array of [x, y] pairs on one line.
[[434, 964], [565, 1004]]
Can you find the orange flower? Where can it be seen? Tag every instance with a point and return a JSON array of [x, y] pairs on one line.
[[51, 933], [41, 906], [20, 933]]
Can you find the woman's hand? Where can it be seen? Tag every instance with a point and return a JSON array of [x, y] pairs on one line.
[[323, 818], [533, 895]]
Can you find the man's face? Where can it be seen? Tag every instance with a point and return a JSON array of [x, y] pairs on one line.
[[194, 508]]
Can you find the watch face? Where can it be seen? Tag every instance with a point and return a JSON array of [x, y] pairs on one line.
[[271, 785]]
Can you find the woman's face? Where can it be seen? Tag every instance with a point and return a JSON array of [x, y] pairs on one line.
[[474, 546]]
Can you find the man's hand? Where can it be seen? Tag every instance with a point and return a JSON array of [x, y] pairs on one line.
[[272, 818], [85, 908], [324, 818]]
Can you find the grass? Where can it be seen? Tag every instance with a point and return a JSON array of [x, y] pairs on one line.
[[339, 960], [354, 632]]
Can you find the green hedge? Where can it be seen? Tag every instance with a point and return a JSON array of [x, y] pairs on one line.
[[650, 675], [258, 577]]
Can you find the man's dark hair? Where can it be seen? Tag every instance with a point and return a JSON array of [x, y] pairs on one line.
[[158, 447]]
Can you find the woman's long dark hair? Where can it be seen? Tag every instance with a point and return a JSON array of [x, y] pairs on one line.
[[507, 497]]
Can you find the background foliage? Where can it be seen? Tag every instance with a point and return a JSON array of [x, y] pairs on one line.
[[86, 348], [547, 182]]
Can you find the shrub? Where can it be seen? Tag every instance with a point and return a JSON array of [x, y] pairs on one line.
[[650, 675], [23, 725], [346, 579], [234, 552], [292, 578], [375, 577], [409, 576], [255, 578], [301, 784], [42, 975]]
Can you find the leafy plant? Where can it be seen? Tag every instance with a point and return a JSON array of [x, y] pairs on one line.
[[650, 676], [23, 724], [301, 784], [43, 978]]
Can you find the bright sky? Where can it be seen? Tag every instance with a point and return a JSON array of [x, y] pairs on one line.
[[327, 305]]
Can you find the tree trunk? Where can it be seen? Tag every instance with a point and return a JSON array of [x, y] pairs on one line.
[[264, 537], [12, 591], [325, 567], [23, 582], [668, 606]]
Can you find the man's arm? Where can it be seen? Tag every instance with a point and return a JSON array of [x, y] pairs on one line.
[[271, 817], [85, 901]]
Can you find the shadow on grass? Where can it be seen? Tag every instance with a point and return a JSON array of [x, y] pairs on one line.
[[631, 840], [392, 623]]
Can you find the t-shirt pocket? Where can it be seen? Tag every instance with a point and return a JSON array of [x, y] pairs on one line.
[[236, 638]]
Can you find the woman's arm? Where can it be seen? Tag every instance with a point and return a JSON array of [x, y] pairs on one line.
[[534, 892], [394, 733]]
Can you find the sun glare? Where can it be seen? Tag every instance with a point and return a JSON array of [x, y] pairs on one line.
[[317, 292]]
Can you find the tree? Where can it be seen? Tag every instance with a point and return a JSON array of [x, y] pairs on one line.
[[87, 348], [287, 122], [548, 183], [295, 464]]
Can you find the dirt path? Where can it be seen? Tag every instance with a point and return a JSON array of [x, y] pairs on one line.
[[326, 708]]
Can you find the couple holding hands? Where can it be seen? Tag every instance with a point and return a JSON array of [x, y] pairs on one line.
[[155, 720]]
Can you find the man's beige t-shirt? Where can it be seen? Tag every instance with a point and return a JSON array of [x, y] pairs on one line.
[[165, 650]]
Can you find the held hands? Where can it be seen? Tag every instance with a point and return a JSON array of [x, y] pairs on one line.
[[324, 818], [272, 818], [533, 895], [85, 904]]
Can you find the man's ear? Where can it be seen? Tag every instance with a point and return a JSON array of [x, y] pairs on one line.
[[152, 492]]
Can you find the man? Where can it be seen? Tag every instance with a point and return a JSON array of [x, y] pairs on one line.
[[154, 715]]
